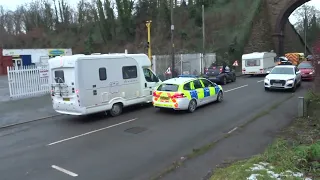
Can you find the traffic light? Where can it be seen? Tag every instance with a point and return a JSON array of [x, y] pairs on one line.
[[148, 45]]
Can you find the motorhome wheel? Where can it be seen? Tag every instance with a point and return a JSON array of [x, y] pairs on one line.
[[116, 109]]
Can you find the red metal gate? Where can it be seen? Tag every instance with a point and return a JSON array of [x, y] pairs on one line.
[[4, 62]]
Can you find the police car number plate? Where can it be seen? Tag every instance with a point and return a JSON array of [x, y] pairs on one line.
[[164, 98], [66, 99]]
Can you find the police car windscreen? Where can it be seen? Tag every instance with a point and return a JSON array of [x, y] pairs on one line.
[[168, 87]]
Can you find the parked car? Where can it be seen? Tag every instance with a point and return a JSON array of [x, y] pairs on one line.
[[307, 70], [217, 74]]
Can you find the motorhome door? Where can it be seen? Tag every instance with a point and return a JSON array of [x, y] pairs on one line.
[[151, 81]]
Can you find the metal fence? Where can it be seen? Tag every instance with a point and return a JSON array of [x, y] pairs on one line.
[[28, 81], [184, 63]]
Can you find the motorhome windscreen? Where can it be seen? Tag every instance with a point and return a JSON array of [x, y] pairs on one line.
[[59, 76], [252, 62], [168, 87]]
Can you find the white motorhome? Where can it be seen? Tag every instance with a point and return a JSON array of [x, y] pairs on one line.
[[258, 62], [86, 84]]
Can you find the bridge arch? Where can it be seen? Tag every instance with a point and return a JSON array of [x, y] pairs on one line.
[[281, 21]]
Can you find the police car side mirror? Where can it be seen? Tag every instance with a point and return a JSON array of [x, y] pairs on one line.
[[268, 72]]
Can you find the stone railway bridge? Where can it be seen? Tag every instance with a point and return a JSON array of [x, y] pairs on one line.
[[272, 30]]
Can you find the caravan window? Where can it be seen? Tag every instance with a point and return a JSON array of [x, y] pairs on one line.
[[129, 72], [149, 76], [102, 74], [252, 62], [59, 76]]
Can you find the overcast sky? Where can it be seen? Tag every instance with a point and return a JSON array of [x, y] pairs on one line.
[[12, 4]]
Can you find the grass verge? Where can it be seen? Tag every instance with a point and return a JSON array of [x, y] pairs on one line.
[[294, 155], [205, 148]]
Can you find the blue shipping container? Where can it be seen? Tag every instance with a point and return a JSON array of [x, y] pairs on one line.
[[26, 60]]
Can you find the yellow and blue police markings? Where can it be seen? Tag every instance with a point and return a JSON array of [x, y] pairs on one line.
[[172, 102]]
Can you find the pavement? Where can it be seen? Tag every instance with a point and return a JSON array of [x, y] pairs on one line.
[[23, 109], [134, 146], [4, 89]]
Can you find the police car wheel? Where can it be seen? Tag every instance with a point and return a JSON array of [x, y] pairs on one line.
[[220, 97], [116, 109], [192, 106]]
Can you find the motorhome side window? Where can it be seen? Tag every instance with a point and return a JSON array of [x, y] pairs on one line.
[[252, 62], [149, 76], [103, 74], [129, 72], [59, 76]]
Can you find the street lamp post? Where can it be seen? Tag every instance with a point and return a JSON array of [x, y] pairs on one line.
[[172, 43]]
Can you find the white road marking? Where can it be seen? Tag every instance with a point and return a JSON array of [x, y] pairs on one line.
[[80, 135], [236, 88], [233, 130], [64, 171], [260, 81]]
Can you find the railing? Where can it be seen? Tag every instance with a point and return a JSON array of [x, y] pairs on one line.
[[184, 63], [27, 81]]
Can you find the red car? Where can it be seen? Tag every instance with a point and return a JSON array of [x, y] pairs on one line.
[[307, 70]]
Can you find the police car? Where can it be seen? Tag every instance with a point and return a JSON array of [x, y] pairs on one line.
[[186, 93]]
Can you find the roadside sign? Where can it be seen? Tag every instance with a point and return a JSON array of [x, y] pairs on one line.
[[44, 73], [168, 71], [235, 63]]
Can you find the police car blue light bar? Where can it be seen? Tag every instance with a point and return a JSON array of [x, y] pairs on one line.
[[188, 76]]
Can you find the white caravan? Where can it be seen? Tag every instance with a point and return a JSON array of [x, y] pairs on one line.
[[86, 84], [258, 62]]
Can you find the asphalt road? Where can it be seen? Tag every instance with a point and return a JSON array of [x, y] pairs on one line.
[[134, 146]]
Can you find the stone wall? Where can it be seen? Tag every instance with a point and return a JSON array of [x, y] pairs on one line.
[[260, 38], [292, 41]]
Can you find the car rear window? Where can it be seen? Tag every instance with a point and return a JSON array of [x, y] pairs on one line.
[[59, 76], [305, 65], [252, 62], [168, 87]]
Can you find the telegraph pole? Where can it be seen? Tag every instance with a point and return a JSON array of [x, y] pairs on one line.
[[148, 24], [203, 39], [305, 31], [172, 43]]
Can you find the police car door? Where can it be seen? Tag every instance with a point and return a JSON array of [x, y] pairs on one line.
[[209, 91], [200, 92]]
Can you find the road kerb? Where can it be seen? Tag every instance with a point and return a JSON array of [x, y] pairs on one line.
[[38, 119]]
